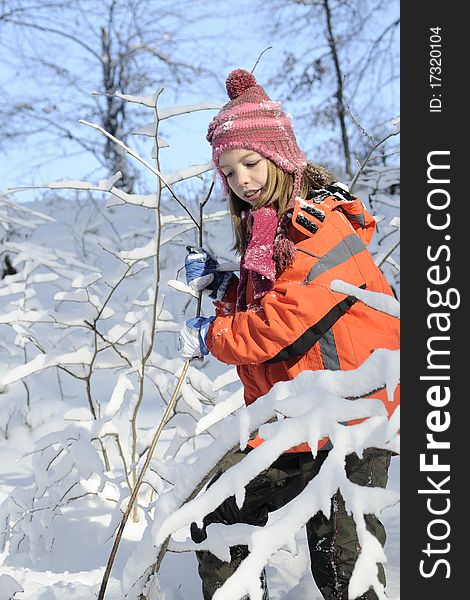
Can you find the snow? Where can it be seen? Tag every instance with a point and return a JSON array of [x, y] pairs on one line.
[[304, 424], [64, 505], [22, 209], [220, 411], [166, 113], [122, 386], [85, 280], [8, 587], [42, 361], [379, 301], [77, 296], [121, 197], [182, 287], [145, 100], [147, 251], [187, 173], [72, 183], [149, 130], [292, 398]]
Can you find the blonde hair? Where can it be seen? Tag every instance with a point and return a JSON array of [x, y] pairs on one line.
[[277, 193]]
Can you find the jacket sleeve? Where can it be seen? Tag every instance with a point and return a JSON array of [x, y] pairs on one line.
[[300, 300], [226, 306], [256, 336]]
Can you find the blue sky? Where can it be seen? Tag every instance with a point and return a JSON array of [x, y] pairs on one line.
[[186, 133], [241, 37]]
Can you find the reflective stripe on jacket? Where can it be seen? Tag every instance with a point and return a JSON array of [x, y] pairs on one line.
[[301, 324]]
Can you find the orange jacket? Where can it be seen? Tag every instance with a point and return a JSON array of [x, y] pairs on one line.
[[301, 323]]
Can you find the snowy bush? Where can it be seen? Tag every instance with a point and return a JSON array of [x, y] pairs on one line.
[[379, 187], [66, 467], [98, 332], [9, 587]]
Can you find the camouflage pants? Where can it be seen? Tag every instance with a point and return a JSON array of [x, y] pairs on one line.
[[333, 543]]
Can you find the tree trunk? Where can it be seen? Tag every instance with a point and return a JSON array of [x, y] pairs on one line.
[[114, 116], [340, 105]]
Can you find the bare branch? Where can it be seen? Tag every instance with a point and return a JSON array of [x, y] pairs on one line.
[[366, 160], [59, 33], [259, 57], [144, 162]]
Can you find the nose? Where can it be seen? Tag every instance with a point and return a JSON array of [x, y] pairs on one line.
[[243, 177]]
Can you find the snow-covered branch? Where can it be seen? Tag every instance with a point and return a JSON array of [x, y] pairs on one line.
[[316, 404]]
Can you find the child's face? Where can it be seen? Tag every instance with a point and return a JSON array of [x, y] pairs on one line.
[[246, 172]]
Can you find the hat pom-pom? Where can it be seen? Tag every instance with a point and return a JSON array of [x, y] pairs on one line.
[[238, 81]]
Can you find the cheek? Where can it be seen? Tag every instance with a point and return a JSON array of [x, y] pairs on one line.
[[234, 190], [230, 184], [264, 176]]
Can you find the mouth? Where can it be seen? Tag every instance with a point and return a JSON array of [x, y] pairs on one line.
[[252, 195]]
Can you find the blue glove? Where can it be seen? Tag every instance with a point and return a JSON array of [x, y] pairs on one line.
[[192, 338], [202, 274], [200, 268]]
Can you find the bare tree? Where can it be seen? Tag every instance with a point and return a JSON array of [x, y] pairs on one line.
[[343, 67], [62, 52]]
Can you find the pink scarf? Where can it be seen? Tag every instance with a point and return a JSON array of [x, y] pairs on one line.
[[269, 252]]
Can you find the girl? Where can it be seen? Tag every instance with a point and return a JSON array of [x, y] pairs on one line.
[[296, 231]]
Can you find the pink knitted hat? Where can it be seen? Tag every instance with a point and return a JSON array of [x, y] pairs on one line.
[[254, 122]]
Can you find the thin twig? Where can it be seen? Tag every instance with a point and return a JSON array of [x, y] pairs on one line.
[[259, 57], [141, 160], [117, 439], [359, 126], [201, 218], [392, 249], [369, 154]]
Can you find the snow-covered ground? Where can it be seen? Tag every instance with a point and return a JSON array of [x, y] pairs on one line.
[[72, 567]]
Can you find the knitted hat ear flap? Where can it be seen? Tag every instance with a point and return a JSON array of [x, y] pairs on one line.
[[297, 184]]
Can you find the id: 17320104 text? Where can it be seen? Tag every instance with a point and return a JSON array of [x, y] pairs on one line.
[[435, 69]]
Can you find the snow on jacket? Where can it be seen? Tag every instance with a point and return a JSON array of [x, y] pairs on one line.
[[301, 324]]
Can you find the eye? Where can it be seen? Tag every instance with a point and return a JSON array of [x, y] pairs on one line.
[[229, 174], [253, 164]]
